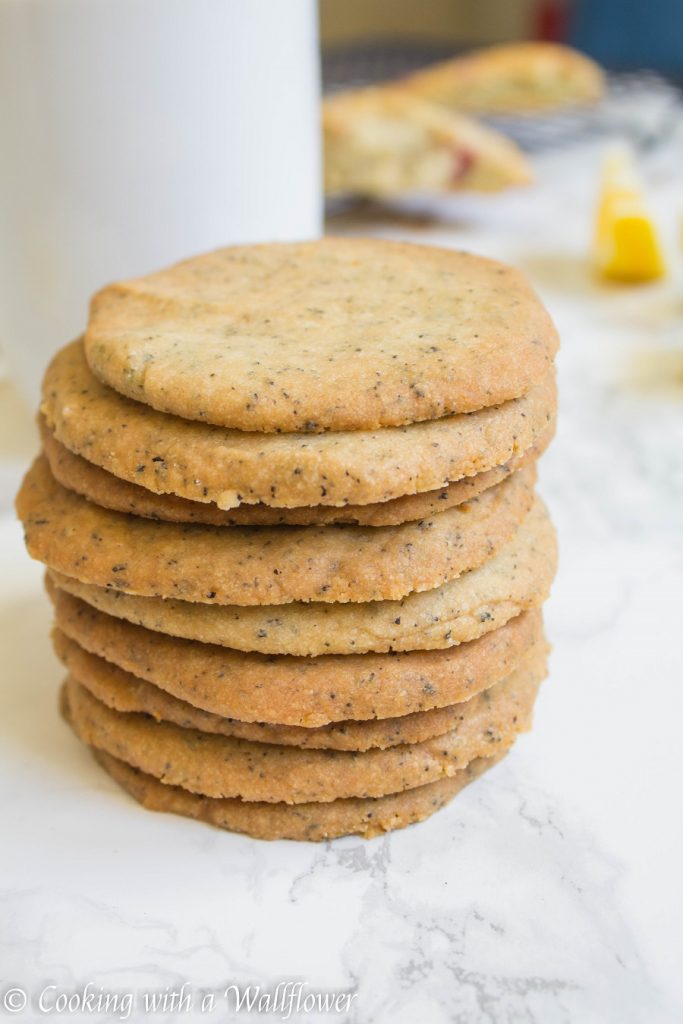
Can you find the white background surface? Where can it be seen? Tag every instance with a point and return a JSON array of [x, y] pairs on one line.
[[548, 892]]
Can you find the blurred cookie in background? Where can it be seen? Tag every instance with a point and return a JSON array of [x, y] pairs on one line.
[[512, 78], [383, 141]]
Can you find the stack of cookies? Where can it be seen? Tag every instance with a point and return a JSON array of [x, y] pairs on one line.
[[286, 502]]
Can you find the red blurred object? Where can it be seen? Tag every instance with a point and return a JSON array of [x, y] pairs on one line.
[[551, 20]]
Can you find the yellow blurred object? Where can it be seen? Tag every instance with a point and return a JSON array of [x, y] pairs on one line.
[[627, 246]]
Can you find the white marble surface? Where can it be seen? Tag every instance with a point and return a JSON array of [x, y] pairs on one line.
[[548, 892]]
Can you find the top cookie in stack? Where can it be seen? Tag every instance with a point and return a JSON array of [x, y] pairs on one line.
[[341, 334], [300, 459]]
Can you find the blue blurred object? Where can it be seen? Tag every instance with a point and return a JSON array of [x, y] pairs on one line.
[[630, 34]]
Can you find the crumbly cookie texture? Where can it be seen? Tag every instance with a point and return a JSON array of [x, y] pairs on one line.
[[358, 334], [302, 693], [169, 455], [263, 565], [223, 766], [514, 580], [314, 822], [124, 692], [77, 474], [511, 78], [385, 141]]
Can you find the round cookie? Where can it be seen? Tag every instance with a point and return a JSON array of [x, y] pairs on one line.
[[312, 822], [300, 692], [514, 580], [124, 692], [336, 334], [108, 491], [263, 565], [169, 455], [222, 766]]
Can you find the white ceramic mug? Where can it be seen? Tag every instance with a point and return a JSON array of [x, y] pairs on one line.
[[134, 133]]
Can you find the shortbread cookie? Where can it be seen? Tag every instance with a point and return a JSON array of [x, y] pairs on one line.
[[124, 692], [514, 77], [169, 455], [246, 565], [385, 141], [223, 766], [516, 579], [312, 822], [336, 334], [483, 599], [300, 692], [108, 491]]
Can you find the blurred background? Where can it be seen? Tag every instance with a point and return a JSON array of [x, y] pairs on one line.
[[638, 43], [620, 34]]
